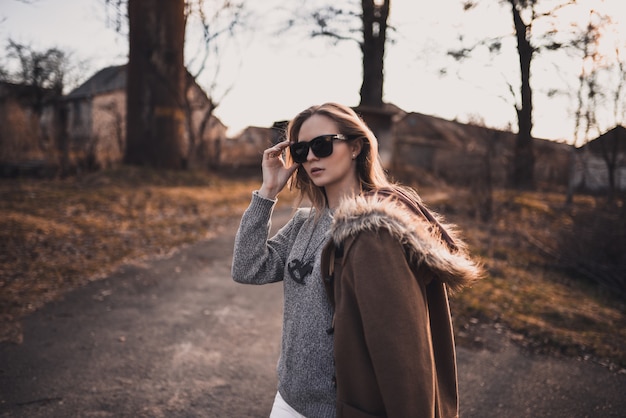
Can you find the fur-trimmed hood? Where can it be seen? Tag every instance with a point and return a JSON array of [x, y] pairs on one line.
[[421, 238]]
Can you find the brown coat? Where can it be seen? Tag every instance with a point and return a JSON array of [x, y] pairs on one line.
[[393, 338]]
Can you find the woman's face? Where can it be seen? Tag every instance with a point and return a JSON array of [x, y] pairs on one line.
[[336, 172]]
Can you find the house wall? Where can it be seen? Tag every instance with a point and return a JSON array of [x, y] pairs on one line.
[[420, 155], [106, 144], [246, 150], [206, 149], [19, 133], [69, 136], [464, 154], [79, 120], [552, 162], [591, 173], [97, 131]]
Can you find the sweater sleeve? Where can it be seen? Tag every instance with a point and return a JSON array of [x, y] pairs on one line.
[[257, 259], [394, 315]]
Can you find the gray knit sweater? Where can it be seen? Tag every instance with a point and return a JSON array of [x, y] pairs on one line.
[[305, 367]]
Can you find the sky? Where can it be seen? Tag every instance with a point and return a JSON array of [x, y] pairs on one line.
[[270, 76]]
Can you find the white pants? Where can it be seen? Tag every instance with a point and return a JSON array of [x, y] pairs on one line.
[[281, 409]]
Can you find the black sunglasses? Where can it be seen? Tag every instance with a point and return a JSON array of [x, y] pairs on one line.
[[322, 146]]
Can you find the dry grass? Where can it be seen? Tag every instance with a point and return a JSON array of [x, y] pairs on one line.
[[529, 292], [57, 235]]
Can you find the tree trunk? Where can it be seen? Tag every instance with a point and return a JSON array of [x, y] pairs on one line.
[[373, 48], [156, 84], [610, 154], [62, 137], [524, 159]]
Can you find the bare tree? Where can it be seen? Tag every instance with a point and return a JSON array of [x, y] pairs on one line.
[[44, 70], [375, 14], [367, 26], [585, 44], [221, 24], [525, 15], [524, 163], [155, 84], [601, 83], [612, 144], [159, 108]]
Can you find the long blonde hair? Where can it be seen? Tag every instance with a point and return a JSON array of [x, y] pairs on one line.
[[370, 171]]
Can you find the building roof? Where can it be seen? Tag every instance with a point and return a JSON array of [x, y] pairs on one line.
[[611, 141], [106, 80], [112, 79]]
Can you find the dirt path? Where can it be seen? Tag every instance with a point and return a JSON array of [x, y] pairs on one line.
[[178, 338]]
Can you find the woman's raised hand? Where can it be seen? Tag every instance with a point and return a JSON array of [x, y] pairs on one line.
[[275, 171]]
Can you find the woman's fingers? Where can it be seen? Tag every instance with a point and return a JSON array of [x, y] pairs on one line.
[[275, 151]]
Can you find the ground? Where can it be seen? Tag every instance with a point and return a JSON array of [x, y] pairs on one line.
[[115, 300], [177, 337]]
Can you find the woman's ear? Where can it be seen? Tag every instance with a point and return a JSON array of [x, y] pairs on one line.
[[356, 146]]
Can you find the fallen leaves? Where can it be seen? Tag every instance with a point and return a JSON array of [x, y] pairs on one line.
[[56, 235]]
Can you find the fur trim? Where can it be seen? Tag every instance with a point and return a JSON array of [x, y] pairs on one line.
[[422, 243]]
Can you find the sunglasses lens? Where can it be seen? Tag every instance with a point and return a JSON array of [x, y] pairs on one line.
[[299, 151], [322, 146]]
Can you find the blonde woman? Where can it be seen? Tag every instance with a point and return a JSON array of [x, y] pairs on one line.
[[333, 300]]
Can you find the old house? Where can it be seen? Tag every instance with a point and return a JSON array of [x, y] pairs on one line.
[[245, 150], [465, 153], [600, 164], [417, 146], [381, 120], [21, 144], [96, 114]]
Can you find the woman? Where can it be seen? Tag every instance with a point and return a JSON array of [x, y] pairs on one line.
[[387, 270], [324, 143]]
